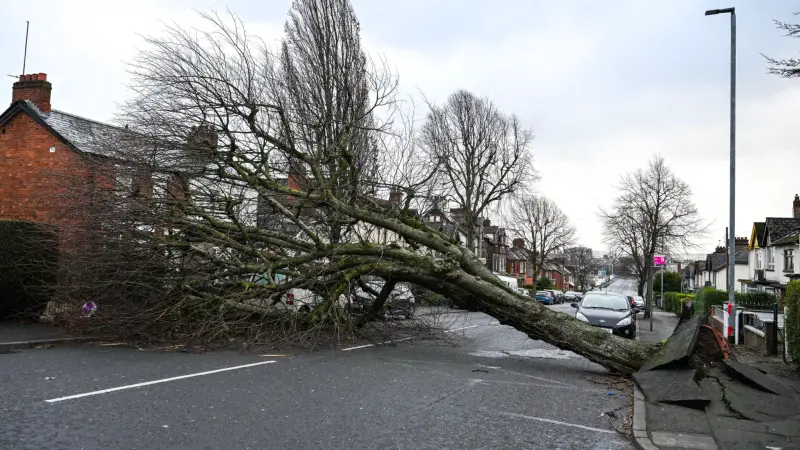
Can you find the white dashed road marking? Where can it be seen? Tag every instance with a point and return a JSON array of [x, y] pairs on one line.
[[357, 347], [148, 383], [462, 328], [558, 422]]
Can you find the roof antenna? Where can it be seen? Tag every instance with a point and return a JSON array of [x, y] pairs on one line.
[[25, 55]]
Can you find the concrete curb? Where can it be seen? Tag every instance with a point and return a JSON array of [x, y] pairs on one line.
[[640, 437], [8, 347]]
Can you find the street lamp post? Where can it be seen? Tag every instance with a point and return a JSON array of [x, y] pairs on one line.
[[732, 219]]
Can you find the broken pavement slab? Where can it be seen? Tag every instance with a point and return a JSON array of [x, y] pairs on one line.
[[683, 440], [675, 387], [751, 375], [675, 353], [676, 419], [755, 404]]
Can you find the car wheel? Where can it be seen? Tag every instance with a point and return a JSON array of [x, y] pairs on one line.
[[305, 309]]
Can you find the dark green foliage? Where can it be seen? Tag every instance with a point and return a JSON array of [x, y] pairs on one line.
[[708, 297], [544, 283], [28, 265], [672, 282], [792, 329], [674, 301]]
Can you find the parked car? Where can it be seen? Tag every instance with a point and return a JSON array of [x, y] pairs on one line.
[[611, 312], [401, 301], [570, 296], [558, 296], [545, 297], [638, 302]]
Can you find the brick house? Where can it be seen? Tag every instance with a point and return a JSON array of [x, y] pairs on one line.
[[518, 263], [52, 163]]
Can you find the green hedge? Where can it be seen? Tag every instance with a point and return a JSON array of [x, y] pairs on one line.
[[706, 298], [792, 329], [756, 300], [28, 265], [674, 301]]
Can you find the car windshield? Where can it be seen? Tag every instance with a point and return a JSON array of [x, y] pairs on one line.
[[605, 301]]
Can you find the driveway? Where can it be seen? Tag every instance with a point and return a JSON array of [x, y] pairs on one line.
[[483, 386]]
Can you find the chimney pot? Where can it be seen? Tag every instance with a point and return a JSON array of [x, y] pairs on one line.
[[796, 207], [395, 197], [34, 88]]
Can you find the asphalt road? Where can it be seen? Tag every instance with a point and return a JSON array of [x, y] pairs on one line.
[[483, 386], [623, 286]]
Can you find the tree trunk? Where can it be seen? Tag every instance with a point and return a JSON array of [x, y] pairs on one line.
[[473, 283]]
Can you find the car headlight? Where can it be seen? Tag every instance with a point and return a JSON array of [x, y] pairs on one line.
[[581, 317], [625, 321]]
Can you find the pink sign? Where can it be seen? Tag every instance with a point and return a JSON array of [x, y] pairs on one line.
[[659, 260]]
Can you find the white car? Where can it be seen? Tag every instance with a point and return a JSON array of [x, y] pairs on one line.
[[295, 299]]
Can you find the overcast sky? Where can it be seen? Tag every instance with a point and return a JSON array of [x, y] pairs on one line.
[[605, 85]]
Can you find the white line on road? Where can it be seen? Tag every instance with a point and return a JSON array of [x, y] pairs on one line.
[[357, 347], [530, 376], [462, 328], [400, 340], [558, 422], [372, 345], [148, 383]]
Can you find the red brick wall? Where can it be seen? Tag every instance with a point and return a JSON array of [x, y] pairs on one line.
[[36, 184]]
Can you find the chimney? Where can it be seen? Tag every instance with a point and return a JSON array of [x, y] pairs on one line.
[[720, 249], [487, 223], [395, 197], [796, 207], [742, 243], [518, 243], [33, 87]]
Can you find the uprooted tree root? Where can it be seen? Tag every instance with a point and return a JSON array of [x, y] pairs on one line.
[[708, 351]]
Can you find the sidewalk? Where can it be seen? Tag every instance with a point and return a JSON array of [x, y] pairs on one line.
[[687, 396], [664, 324], [15, 336]]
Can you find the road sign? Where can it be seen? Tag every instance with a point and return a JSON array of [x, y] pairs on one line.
[[659, 260]]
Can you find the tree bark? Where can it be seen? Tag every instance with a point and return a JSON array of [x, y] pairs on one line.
[[472, 283]]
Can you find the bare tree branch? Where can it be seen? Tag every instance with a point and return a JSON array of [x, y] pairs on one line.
[[544, 226]]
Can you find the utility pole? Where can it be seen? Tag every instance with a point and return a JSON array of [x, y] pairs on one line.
[[732, 218]]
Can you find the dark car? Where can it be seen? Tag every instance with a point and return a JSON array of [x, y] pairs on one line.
[[401, 301], [612, 312]]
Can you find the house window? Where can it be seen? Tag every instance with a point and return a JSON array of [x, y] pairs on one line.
[[771, 258], [788, 260], [759, 260]]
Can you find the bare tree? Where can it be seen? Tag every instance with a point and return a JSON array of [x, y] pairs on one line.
[[785, 68], [484, 155], [581, 262], [285, 190], [653, 212], [544, 226]]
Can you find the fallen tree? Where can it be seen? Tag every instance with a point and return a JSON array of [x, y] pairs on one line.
[[289, 170]]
